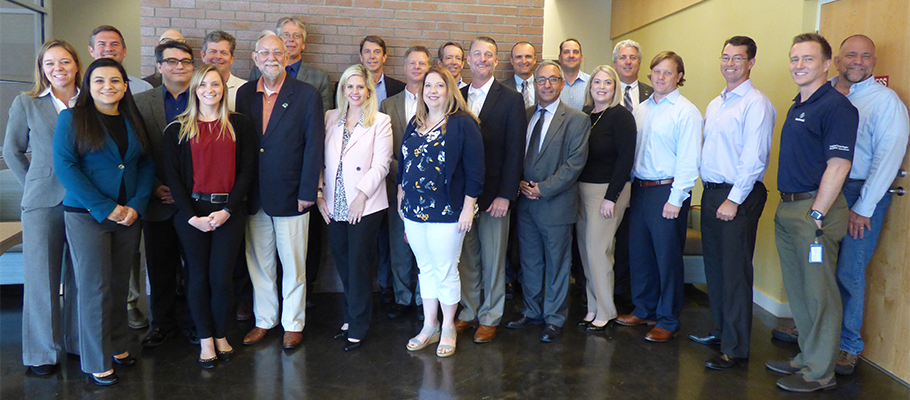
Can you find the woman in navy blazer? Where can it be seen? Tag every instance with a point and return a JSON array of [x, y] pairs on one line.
[[32, 120], [352, 194], [102, 160], [440, 175]]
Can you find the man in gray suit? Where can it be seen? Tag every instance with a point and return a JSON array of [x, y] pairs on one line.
[[159, 107], [401, 108], [523, 60], [293, 32], [557, 149]]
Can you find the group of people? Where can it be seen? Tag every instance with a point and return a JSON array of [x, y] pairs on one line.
[[453, 178]]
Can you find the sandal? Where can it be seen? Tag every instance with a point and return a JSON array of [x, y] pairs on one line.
[[415, 344], [444, 350]]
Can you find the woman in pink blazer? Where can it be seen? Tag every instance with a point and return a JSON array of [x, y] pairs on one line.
[[352, 194]]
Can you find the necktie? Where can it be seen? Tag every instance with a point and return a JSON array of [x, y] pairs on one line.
[[627, 99], [534, 142], [526, 94]]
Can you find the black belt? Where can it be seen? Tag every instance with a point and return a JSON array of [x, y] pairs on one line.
[[214, 198], [788, 197], [712, 185]]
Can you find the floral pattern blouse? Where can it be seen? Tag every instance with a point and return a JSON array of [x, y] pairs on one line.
[[426, 197]]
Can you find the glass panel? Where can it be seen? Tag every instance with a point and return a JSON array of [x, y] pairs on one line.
[[21, 30]]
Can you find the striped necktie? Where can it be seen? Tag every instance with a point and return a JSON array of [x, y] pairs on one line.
[[526, 94], [627, 99]]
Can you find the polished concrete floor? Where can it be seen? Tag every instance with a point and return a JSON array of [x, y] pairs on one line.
[[619, 364]]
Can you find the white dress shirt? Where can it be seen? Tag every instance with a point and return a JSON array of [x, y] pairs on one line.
[[668, 143], [548, 117], [881, 140], [58, 104], [410, 104], [633, 93], [477, 96], [737, 139], [574, 94], [233, 83]]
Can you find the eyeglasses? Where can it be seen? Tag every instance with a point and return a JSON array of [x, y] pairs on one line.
[[736, 59], [290, 35], [172, 62], [166, 40], [276, 53], [553, 80]]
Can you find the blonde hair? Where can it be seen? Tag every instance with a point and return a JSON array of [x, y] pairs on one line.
[[454, 100], [371, 106], [189, 127], [41, 82], [611, 73]]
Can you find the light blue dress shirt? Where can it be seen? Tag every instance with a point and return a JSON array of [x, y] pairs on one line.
[[574, 95], [881, 140], [737, 139], [547, 118], [381, 93], [668, 143]]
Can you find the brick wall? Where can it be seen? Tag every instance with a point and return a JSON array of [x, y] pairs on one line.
[[337, 26]]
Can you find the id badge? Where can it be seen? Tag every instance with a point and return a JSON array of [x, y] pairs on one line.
[[815, 253]]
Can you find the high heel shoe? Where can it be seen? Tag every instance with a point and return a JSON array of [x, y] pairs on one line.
[[341, 334], [127, 361], [445, 350], [351, 346], [415, 344]]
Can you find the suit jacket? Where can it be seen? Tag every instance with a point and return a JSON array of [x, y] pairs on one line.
[[560, 161], [153, 79], [366, 161], [393, 86], [92, 180], [31, 124], [394, 107], [151, 105], [510, 83], [312, 75], [179, 167], [291, 150], [503, 124], [644, 91]]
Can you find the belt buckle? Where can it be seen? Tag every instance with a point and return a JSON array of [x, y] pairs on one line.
[[219, 198]]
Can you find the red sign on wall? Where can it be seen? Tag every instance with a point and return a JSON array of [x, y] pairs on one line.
[[882, 79]]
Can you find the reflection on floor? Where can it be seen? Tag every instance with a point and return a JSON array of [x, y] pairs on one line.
[[617, 364]]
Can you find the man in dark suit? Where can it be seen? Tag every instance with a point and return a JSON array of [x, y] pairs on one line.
[[373, 56], [626, 62], [483, 257], [289, 116], [523, 59], [401, 108], [168, 35], [557, 148], [159, 107]]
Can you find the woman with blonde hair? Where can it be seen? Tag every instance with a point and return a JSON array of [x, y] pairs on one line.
[[440, 176], [210, 156], [352, 198]]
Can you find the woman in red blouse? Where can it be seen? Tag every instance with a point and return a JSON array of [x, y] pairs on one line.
[[210, 164]]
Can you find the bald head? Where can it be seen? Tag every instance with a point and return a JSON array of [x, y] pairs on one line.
[[856, 58], [171, 34]]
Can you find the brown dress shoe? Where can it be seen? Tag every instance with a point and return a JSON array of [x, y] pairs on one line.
[[292, 339], [255, 335], [485, 333], [461, 325], [659, 335], [632, 320]]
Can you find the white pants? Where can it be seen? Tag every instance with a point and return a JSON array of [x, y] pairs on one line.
[[437, 248], [285, 237]]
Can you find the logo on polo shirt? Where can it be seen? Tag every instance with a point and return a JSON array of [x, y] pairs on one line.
[[801, 117], [839, 147]]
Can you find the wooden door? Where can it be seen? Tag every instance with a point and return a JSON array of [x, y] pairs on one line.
[[886, 329]]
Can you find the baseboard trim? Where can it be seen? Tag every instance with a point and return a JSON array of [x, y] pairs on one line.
[[776, 308]]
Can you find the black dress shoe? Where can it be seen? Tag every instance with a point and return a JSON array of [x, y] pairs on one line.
[[596, 329], [225, 355], [351, 346], [41, 370], [156, 337], [190, 336], [550, 333], [127, 361], [208, 363], [523, 322], [584, 324], [341, 334], [724, 362], [396, 310], [105, 380], [420, 315], [707, 340], [387, 296], [510, 291]]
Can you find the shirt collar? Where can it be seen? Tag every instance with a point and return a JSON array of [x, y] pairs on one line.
[[740, 90], [815, 96], [550, 108], [294, 68], [344, 119], [167, 94], [69, 104], [409, 96], [672, 97], [381, 79], [856, 86], [260, 85], [483, 89], [518, 81], [633, 85]]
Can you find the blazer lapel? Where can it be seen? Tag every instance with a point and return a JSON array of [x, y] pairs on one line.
[[48, 112], [281, 104], [558, 118], [158, 109], [490, 101], [359, 132]]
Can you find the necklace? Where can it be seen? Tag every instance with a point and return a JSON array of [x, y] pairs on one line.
[[598, 118], [436, 125]]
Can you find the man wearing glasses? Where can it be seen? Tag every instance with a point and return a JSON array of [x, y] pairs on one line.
[[168, 35], [159, 107], [292, 32], [289, 115]]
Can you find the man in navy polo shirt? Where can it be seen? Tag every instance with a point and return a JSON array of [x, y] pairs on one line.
[[816, 149]]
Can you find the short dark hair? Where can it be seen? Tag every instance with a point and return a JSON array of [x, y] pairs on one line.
[[218, 36], [421, 49], [485, 39], [105, 28], [669, 55], [522, 42], [814, 37], [375, 39], [159, 49], [751, 48], [442, 49], [570, 40]]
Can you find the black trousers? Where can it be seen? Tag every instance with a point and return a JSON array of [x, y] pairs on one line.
[[728, 250], [353, 247], [210, 260], [165, 269], [314, 249]]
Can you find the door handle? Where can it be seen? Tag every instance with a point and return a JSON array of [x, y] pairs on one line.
[[901, 173], [898, 191]]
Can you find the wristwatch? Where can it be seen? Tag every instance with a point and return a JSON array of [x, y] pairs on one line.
[[817, 215]]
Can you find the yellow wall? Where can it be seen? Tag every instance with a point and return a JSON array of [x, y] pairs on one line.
[[697, 34], [73, 21]]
